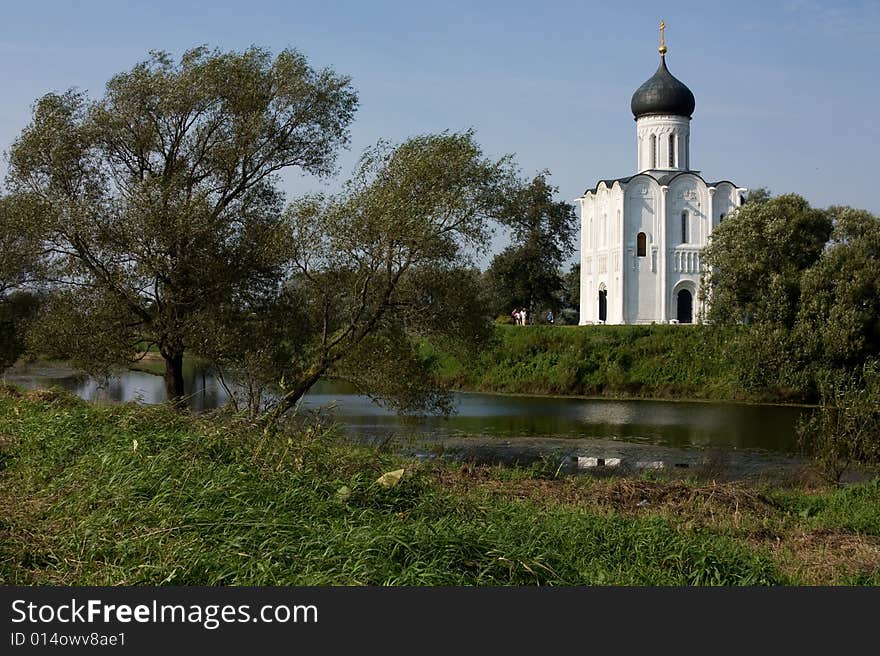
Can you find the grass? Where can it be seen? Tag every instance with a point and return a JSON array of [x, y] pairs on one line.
[[852, 509], [110, 495], [656, 361]]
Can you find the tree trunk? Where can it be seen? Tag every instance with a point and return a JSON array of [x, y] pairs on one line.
[[174, 379], [271, 417]]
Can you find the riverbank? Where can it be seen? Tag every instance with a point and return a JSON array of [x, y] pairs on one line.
[[698, 363], [664, 362], [126, 494]]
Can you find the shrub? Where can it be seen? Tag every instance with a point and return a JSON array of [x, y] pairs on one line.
[[846, 427]]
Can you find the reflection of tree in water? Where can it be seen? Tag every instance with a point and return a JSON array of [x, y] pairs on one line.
[[79, 383], [109, 388], [203, 388]]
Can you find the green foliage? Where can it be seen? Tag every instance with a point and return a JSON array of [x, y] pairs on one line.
[[838, 329], [846, 426], [92, 330], [807, 280], [160, 202], [853, 508], [571, 289], [254, 346], [19, 257], [839, 320], [756, 257], [17, 310], [388, 263], [700, 361], [768, 356], [758, 195], [526, 273], [19, 248]]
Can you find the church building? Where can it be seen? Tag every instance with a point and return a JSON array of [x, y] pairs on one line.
[[641, 235]]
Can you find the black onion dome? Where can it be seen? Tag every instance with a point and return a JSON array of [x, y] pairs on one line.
[[663, 94]]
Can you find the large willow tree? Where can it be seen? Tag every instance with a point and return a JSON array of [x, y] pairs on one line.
[[376, 271], [158, 202]]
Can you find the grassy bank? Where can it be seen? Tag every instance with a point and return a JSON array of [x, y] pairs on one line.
[[657, 361], [108, 495]]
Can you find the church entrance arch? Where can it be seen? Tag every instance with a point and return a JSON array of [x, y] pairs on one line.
[[685, 303], [603, 303]]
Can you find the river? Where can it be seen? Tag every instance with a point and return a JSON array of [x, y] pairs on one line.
[[500, 427]]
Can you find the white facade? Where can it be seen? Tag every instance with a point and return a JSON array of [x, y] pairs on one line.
[[642, 236], [664, 143]]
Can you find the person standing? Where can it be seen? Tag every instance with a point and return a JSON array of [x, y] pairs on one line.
[[550, 316], [523, 316]]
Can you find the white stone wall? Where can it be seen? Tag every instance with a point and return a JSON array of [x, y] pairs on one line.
[[641, 284], [601, 235], [726, 198], [661, 128], [688, 195]]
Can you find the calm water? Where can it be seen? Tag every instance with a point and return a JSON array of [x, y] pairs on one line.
[[508, 419]]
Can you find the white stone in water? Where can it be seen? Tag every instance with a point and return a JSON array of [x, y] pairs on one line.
[[588, 462]]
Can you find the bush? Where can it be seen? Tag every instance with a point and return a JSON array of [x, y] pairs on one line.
[[567, 317], [846, 427], [15, 311]]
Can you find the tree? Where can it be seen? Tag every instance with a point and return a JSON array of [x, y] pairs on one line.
[[572, 287], [755, 259], [19, 249], [839, 318], [758, 195], [839, 326], [19, 255], [159, 201], [527, 273], [388, 263], [17, 309]]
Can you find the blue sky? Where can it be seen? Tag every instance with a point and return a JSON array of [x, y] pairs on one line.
[[787, 92]]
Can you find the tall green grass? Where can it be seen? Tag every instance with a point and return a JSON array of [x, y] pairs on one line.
[[854, 508], [658, 361], [139, 495]]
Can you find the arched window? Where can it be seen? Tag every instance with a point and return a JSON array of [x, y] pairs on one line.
[[684, 227], [618, 225], [671, 150], [653, 151], [687, 151], [642, 245]]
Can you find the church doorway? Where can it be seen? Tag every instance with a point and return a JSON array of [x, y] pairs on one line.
[[685, 307], [603, 303]]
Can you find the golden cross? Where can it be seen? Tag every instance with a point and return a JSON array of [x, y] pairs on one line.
[[662, 38]]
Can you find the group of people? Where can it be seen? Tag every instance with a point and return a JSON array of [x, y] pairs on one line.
[[520, 317]]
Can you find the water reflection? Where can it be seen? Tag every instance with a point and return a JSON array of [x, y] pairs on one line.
[[675, 424]]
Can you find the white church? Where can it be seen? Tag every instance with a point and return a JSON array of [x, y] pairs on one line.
[[641, 236]]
